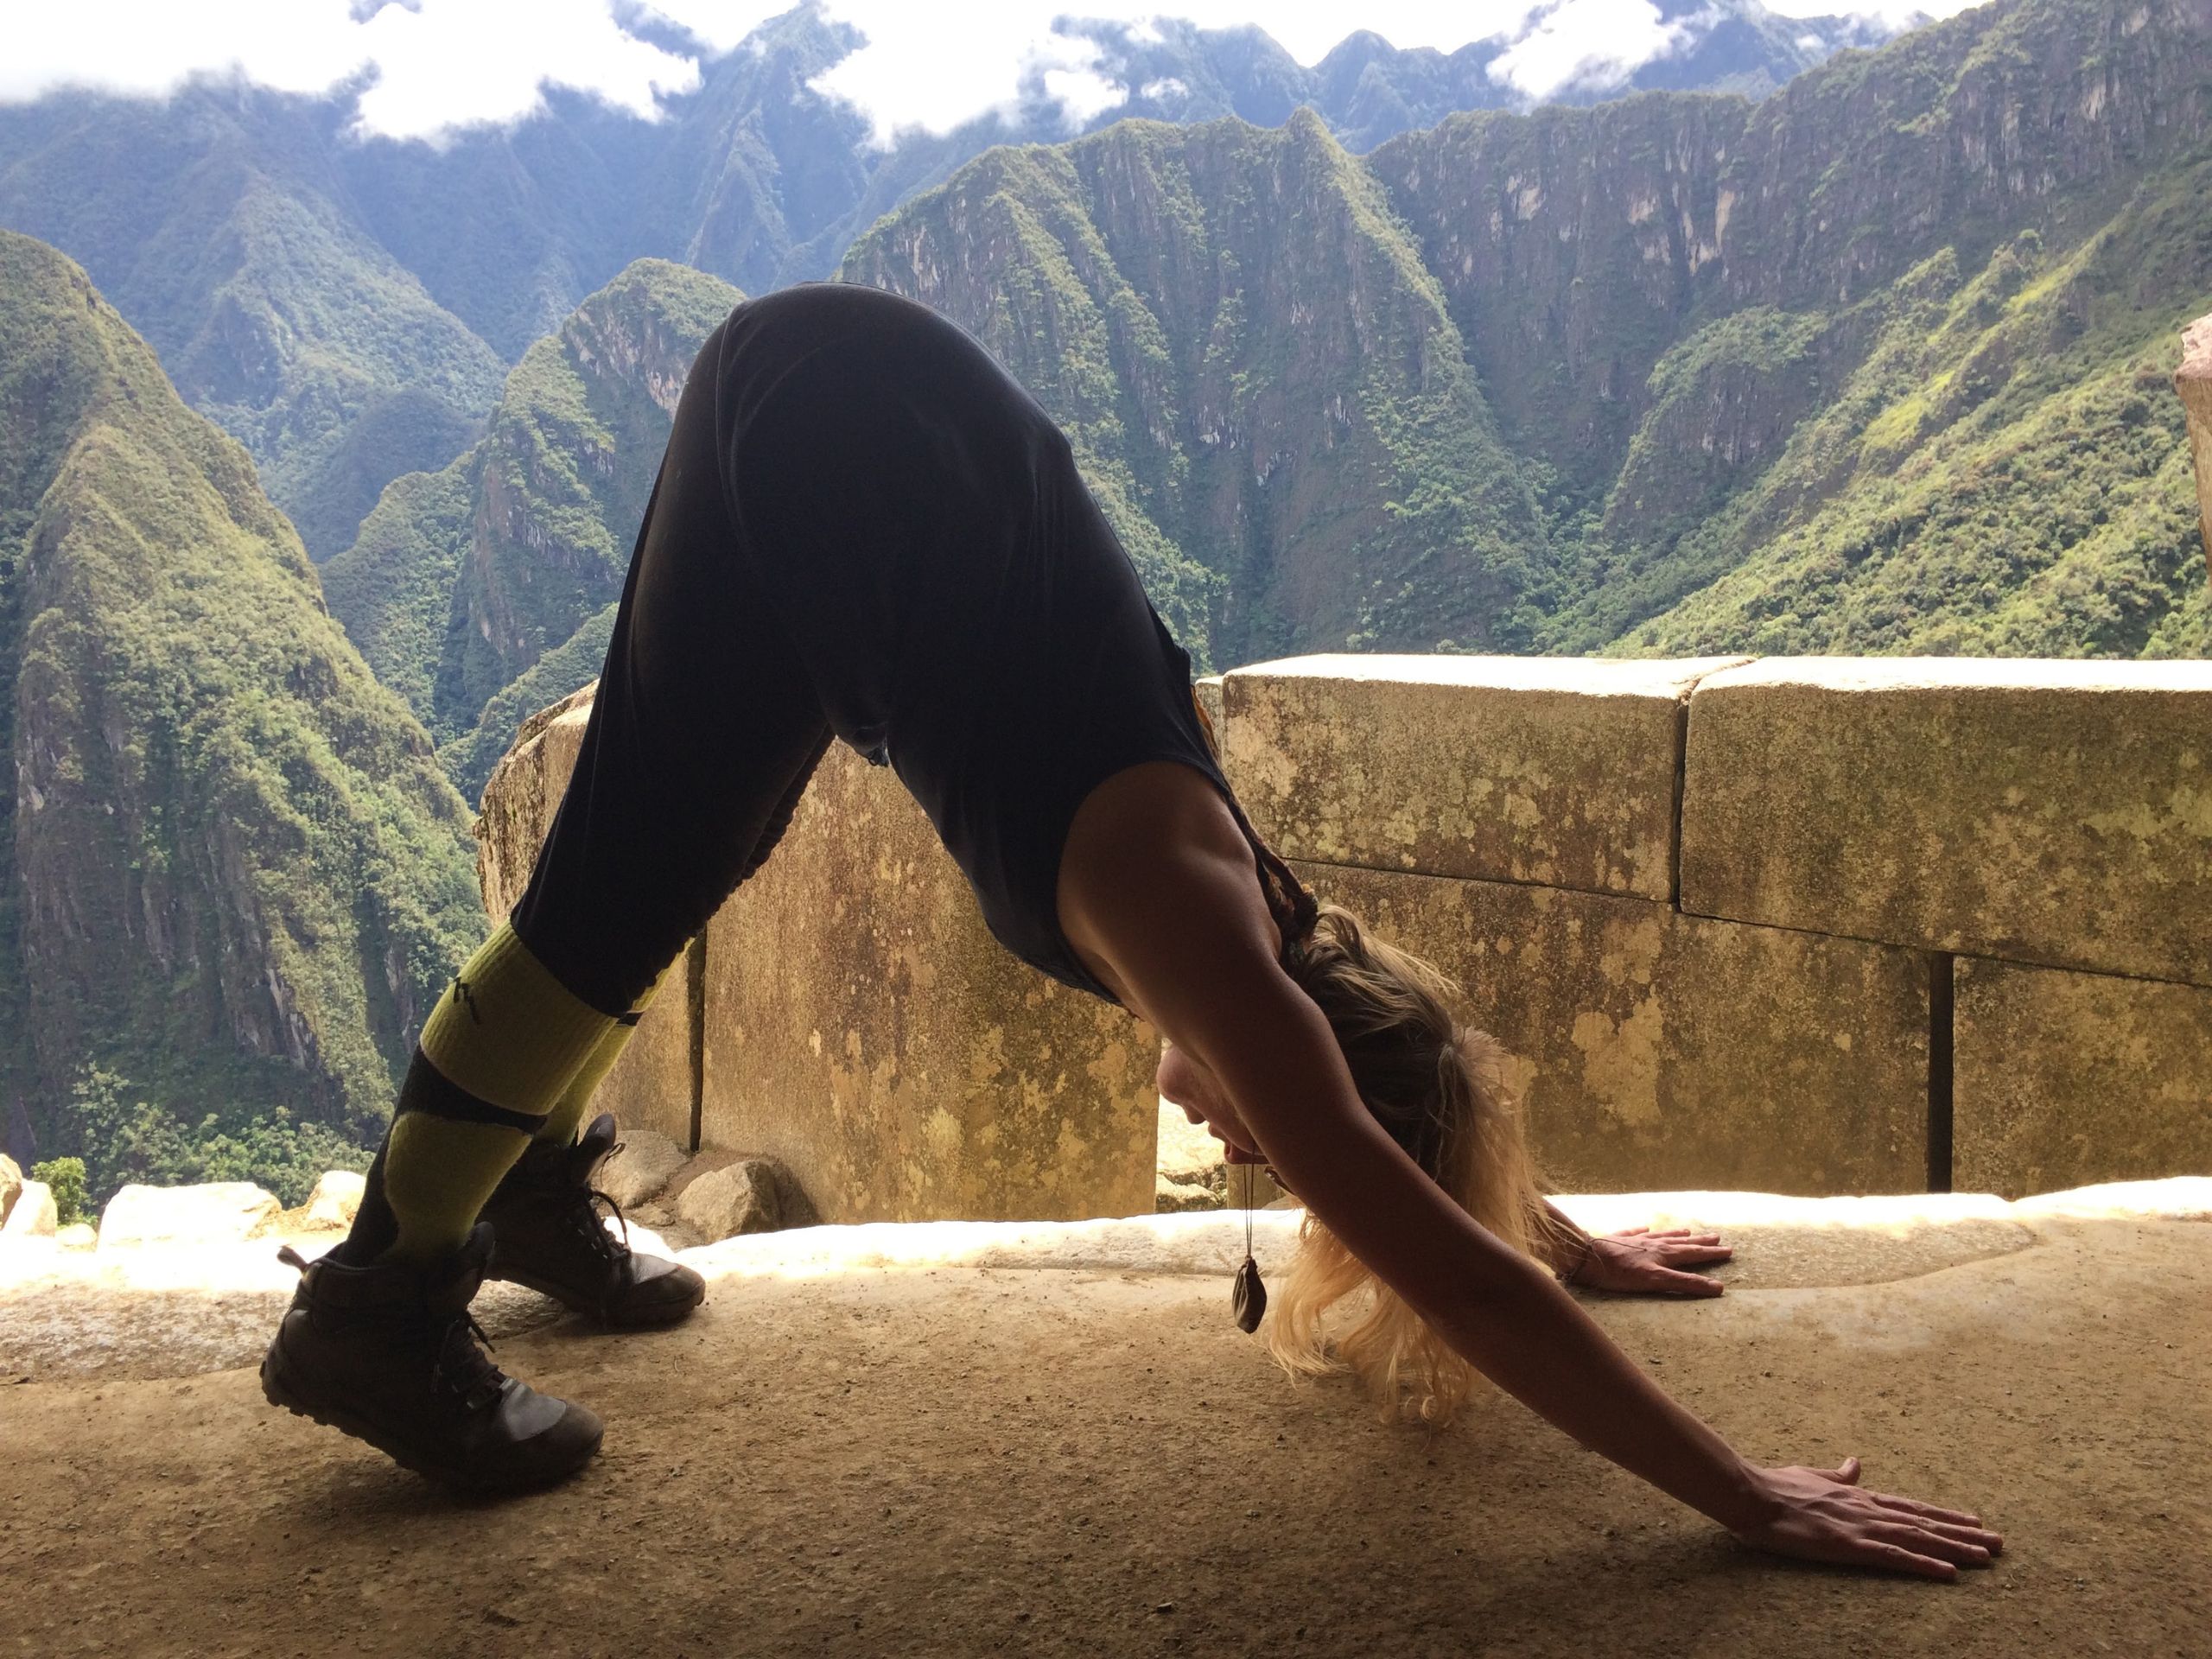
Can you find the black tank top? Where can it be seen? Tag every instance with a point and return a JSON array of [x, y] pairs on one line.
[[965, 612]]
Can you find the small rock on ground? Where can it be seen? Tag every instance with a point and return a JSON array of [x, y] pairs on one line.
[[212, 1212], [740, 1198], [642, 1162]]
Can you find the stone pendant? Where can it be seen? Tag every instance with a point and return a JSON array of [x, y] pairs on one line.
[[1249, 1300]]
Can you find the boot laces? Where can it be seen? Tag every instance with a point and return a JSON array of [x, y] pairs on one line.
[[464, 1369], [587, 1218]]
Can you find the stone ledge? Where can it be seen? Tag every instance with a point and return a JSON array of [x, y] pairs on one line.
[[168, 1312], [2054, 812], [1556, 771]]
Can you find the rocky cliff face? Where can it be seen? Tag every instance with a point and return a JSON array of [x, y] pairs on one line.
[[462, 580], [234, 873]]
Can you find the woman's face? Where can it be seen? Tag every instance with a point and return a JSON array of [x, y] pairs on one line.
[[1184, 1082]]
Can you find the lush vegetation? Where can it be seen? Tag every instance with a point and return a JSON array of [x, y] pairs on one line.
[[65, 1179], [235, 874], [213, 224], [344, 306], [128, 1139]]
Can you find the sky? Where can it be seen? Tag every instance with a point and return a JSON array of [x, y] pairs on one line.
[[429, 67]]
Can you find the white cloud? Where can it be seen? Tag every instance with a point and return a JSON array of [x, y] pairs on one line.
[[432, 65], [1594, 44], [429, 65]]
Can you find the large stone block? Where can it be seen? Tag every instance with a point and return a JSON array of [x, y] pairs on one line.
[[1653, 1049], [2058, 812], [861, 1025], [2193, 380], [1557, 771], [651, 1086], [2065, 1079]]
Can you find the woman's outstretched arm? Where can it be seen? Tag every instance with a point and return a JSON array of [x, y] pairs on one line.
[[1157, 890]]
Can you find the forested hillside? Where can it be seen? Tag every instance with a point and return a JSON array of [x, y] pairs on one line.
[[1877, 364], [463, 579], [235, 879]]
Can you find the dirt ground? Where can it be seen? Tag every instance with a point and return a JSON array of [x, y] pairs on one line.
[[976, 1460]]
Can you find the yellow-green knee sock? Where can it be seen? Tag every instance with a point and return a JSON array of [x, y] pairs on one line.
[[496, 1057], [561, 1124]]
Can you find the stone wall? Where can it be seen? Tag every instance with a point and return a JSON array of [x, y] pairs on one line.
[[1811, 925], [1816, 925], [847, 1013]]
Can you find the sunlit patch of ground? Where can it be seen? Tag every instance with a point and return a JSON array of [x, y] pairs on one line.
[[952, 1439]]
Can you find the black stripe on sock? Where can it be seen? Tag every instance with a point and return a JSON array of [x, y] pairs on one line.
[[429, 1090]]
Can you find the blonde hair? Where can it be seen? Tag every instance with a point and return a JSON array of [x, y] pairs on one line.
[[1436, 1085]]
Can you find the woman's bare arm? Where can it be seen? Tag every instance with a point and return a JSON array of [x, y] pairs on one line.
[[1161, 894]]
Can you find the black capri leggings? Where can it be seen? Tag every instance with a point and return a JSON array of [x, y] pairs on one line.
[[701, 738]]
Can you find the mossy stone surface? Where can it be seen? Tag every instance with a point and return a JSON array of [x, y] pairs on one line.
[[1654, 1050], [2037, 810], [1560, 771], [862, 1025], [2066, 1080]]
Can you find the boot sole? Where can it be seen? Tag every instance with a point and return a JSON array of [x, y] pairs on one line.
[[280, 1387], [643, 1318]]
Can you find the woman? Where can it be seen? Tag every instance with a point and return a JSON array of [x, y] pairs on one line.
[[863, 528]]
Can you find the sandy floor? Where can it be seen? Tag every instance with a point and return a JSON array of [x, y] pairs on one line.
[[965, 1459]]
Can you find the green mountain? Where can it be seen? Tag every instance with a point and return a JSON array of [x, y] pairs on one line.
[[220, 228], [1261, 383], [236, 878], [1877, 364], [462, 580]]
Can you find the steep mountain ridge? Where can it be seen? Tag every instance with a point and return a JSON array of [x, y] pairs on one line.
[[226, 238], [1259, 378], [235, 874], [462, 580]]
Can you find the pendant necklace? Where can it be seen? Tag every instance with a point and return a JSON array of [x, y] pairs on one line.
[[1248, 1298]]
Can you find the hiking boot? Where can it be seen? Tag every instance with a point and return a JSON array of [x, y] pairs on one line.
[[387, 1354], [546, 1215]]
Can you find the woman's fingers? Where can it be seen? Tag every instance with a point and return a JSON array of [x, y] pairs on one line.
[[1991, 1542], [1896, 1556], [1693, 1252], [1685, 1284], [1923, 1541], [1932, 1511]]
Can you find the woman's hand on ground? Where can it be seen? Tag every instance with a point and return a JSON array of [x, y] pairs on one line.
[[1639, 1262], [1822, 1515]]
